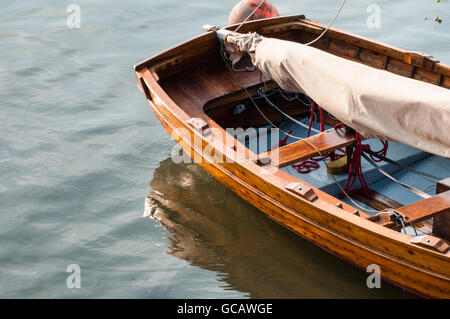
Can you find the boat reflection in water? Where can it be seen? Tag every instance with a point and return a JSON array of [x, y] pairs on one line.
[[212, 228]]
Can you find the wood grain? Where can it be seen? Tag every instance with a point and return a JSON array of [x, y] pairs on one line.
[[425, 209], [327, 141]]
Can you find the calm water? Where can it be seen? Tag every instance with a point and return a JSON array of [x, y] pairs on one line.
[[80, 150]]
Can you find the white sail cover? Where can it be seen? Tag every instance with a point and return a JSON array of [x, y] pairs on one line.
[[374, 102]]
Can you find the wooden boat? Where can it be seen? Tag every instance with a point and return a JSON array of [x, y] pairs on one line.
[[194, 95]]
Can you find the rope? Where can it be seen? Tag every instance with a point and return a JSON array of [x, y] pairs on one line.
[[355, 170], [309, 43], [306, 166], [262, 94], [246, 19], [331, 23], [412, 189], [412, 170], [399, 218]]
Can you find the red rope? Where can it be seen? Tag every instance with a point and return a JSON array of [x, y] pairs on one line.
[[381, 152], [306, 166], [355, 169], [281, 142], [313, 106], [322, 127], [284, 141]]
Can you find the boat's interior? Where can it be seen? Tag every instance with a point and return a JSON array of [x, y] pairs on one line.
[[197, 79]]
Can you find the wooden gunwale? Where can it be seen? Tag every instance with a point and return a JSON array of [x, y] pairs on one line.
[[360, 241]]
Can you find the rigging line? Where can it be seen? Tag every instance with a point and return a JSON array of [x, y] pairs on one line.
[[298, 138], [262, 94], [296, 97], [309, 43], [392, 212], [434, 178], [331, 23], [382, 171], [428, 187], [246, 19]]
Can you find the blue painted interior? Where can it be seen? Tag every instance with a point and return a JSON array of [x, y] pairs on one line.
[[398, 152]]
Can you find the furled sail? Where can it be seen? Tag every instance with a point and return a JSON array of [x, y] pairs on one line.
[[376, 103]]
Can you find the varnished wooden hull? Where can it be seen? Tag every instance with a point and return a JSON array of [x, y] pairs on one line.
[[359, 241]]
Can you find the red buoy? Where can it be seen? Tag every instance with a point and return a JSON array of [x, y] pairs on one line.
[[245, 7]]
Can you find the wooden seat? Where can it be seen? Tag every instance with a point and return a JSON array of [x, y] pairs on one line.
[[327, 141], [421, 210]]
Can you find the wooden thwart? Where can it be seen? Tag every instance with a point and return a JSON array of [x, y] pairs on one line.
[[327, 141], [422, 210]]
